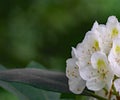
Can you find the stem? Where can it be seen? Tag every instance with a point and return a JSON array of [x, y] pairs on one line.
[[115, 92], [110, 92], [118, 97], [80, 97], [95, 96]]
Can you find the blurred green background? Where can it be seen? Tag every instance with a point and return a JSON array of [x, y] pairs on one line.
[[45, 30]]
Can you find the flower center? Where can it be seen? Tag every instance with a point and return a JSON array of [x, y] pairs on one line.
[[117, 49], [114, 32], [96, 45], [102, 71], [101, 64]]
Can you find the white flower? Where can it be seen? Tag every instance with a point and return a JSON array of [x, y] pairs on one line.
[[117, 85], [85, 50], [89, 45], [96, 61], [98, 75], [113, 27], [108, 33], [114, 57], [76, 83], [104, 39]]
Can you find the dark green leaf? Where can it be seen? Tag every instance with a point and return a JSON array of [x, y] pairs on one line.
[[27, 92], [35, 94], [43, 79], [67, 96], [7, 86]]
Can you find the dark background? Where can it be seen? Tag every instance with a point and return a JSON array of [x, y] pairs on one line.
[[45, 30]]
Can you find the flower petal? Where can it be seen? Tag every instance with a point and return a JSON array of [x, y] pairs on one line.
[[117, 85], [95, 84], [116, 46], [87, 72], [72, 70], [115, 67], [105, 41], [113, 27], [114, 57], [95, 26], [77, 86], [112, 20], [99, 60], [91, 41], [74, 53]]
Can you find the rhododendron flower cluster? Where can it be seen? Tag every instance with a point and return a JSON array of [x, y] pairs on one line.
[[95, 62]]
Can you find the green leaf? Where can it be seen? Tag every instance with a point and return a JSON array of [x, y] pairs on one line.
[[5, 95], [27, 92], [67, 96], [35, 94], [81, 97], [7, 86], [43, 79]]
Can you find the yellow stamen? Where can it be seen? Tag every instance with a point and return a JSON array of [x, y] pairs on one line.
[[114, 32], [117, 49], [96, 45], [101, 63]]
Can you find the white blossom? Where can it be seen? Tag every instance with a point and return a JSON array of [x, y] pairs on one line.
[[105, 41], [89, 45], [95, 62], [117, 85], [113, 27], [108, 33], [76, 83], [99, 74], [114, 57]]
